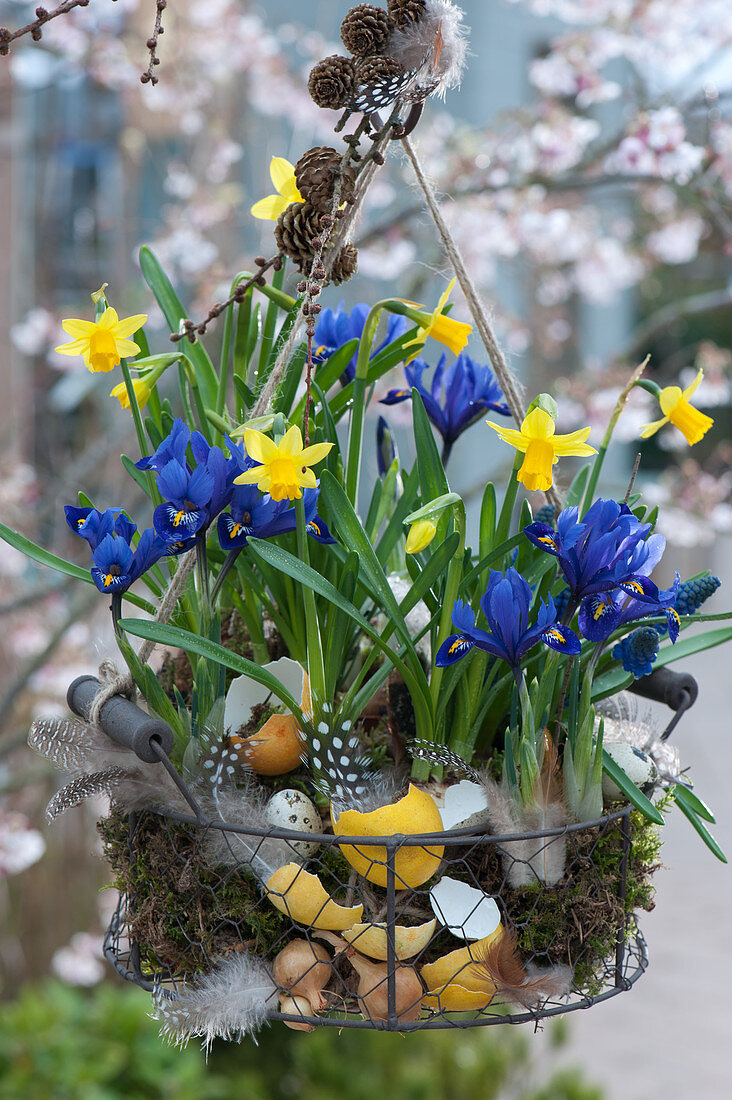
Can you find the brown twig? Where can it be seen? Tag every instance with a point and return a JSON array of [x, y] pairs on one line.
[[193, 329], [331, 240], [152, 43], [34, 28]]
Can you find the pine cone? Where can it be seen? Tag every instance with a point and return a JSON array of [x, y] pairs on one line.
[[371, 70], [332, 82], [404, 12], [316, 173], [345, 265], [366, 30], [296, 227]]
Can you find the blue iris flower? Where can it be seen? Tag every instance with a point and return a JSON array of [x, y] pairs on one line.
[[172, 448], [254, 515], [609, 548], [185, 508], [116, 565], [92, 525], [337, 327], [506, 604], [457, 397], [602, 613]]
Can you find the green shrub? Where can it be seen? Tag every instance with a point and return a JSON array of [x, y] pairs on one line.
[[61, 1043]]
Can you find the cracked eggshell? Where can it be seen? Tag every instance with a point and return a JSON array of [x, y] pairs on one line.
[[636, 764], [463, 805], [245, 693], [293, 810], [466, 912]]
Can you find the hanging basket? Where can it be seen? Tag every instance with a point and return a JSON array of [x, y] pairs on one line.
[[564, 933], [179, 917]]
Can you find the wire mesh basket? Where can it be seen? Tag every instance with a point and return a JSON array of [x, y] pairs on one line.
[[575, 942]]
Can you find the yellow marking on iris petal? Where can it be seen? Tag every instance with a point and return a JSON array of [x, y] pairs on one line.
[[557, 634], [456, 645], [178, 518], [635, 585], [600, 610], [547, 539], [108, 580], [235, 530], [313, 525], [674, 612]]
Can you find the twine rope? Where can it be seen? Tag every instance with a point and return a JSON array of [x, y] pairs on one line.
[[511, 386]]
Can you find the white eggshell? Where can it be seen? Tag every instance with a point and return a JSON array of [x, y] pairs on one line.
[[293, 810], [468, 913], [464, 804], [245, 693], [636, 764]]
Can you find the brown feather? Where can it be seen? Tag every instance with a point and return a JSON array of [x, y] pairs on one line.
[[499, 966]]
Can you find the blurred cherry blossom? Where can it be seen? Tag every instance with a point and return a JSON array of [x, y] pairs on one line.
[[20, 844]]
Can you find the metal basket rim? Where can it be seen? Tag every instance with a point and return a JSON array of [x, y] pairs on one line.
[[453, 837]]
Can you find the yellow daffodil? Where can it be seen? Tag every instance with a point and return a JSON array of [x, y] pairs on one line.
[[453, 334], [102, 343], [542, 447], [142, 393], [285, 466], [675, 407], [420, 535], [282, 174]]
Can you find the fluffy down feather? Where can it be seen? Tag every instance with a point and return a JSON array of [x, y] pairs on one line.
[[230, 1001], [436, 48], [527, 861], [245, 807]]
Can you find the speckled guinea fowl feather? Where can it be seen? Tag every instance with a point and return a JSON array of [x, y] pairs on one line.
[[83, 787], [440, 755], [341, 771]]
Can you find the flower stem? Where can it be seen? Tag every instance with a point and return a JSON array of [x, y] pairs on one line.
[[139, 428], [602, 450], [452, 586], [316, 667]]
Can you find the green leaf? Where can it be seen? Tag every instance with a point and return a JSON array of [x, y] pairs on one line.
[[304, 574], [43, 557], [177, 638], [174, 313], [433, 508], [610, 683], [576, 490], [138, 476], [684, 794], [629, 789], [699, 826], [432, 479], [685, 647]]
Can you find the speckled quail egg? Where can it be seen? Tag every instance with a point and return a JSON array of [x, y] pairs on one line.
[[636, 764], [293, 810]]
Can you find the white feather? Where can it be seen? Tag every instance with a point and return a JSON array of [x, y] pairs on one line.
[[246, 807], [436, 46], [527, 861], [228, 1002]]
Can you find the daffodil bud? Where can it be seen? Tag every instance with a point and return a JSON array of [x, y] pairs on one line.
[[420, 536]]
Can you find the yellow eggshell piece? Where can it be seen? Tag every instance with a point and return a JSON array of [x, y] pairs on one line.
[[457, 968], [456, 998], [415, 813], [302, 897], [371, 940], [273, 750]]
